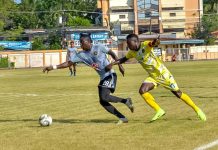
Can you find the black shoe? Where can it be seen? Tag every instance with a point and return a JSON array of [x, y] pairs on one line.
[[129, 104]]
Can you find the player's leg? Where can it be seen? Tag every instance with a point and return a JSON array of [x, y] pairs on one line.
[[74, 69], [149, 99], [105, 95], [190, 103], [108, 86], [111, 109], [71, 70], [170, 83]]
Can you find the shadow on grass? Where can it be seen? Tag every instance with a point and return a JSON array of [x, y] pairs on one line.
[[70, 121], [84, 121]]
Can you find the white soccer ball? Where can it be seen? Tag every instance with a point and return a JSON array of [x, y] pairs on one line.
[[45, 120]]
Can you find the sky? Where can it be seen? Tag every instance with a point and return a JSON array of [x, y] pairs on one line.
[[17, 1]]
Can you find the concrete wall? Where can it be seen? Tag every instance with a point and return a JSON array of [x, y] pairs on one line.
[[30, 59]]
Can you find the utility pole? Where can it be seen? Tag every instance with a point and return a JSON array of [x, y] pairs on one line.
[[150, 19], [136, 29]]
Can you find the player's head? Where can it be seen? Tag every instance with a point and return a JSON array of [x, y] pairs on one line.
[[85, 41], [133, 42], [72, 43]]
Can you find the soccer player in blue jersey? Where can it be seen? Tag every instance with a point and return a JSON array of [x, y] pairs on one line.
[[95, 56], [71, 51]]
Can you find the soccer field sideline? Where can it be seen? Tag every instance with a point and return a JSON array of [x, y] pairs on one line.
[[81, 123]]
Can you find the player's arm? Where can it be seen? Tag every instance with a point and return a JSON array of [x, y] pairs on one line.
[[116, 62], [60, 66], [155, 42], [114, 56]]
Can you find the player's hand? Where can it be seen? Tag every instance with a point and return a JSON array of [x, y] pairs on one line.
[[122, 70], [47, 69], [156, 41], [95, 66], [108, 67]]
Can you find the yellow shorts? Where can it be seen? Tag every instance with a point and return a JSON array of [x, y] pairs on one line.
[[166, 80]]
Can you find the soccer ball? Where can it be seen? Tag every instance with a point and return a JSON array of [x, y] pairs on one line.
[[45, 120]]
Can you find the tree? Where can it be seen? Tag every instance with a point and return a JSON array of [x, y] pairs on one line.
[[209, 6], [209, 24], [78, 21], [6, 7]]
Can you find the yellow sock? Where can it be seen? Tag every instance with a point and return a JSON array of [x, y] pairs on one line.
[[189, 101], [149, 99]]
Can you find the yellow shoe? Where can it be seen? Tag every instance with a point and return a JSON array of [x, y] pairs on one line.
[[201, 115], [159, 114]]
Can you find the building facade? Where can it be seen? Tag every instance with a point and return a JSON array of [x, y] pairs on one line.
[[180, 16], [177, 17]]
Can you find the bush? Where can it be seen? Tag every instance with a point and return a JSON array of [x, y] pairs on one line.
[[38, 44], [4, 62]]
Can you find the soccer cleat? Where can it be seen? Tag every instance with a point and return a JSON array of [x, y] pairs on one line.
[[159, 114], [129, 104], [122, 120], [201, 115]]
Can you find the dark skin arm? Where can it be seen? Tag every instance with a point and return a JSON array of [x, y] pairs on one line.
[[113, 55], [118, 61], [155, 42], [60, 66]]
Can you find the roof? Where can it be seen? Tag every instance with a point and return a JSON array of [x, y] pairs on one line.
[[143, 37], [185, 41], [166, 39], [120, 7]]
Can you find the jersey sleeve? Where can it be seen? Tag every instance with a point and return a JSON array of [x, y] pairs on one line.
[[103, 48], [145, 43]]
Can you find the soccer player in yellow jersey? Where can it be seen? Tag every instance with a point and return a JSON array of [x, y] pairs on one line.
[[158, 74]]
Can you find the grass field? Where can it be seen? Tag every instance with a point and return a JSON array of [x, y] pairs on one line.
[[79, 122]]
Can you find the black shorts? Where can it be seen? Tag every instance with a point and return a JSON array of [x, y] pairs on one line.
[[109, 82]]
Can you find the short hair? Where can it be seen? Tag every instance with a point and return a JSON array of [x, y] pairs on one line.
[[130, 36], [72, 41], [86, 36]]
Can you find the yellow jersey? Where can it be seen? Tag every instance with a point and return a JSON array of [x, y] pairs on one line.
[[149, 61]]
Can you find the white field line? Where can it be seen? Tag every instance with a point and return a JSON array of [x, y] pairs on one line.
[[72, 94], [206, 146]]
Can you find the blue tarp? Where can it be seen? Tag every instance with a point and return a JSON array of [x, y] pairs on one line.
[[16, 45]]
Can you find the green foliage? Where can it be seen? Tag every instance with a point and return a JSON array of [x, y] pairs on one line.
[[38, 44], [1, 48], [13, 34], [78, 21], [54, 41], [43, 14], [210, 6], [203, 31], [4, 62], [1, 25]]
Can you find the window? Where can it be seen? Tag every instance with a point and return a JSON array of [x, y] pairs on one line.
[[172, 8], [122, 10], [172, 14], [174, 30], [122, 16]]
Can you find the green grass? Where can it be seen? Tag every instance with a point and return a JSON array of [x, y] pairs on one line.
[[79, 122]]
